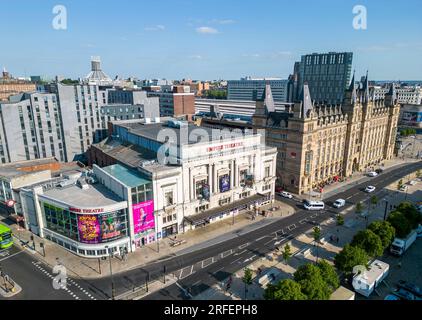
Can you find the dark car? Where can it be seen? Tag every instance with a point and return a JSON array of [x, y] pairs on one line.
[[405, 295], [379, 171], [411, 287]]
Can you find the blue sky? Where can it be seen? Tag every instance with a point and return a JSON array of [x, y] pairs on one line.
[[215, 39]]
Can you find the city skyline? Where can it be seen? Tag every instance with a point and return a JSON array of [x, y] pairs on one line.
[[185, 41]]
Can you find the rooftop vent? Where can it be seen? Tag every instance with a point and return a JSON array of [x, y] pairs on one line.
[[82, 183], [65, 183]]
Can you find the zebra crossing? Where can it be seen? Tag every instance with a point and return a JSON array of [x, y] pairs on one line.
[[71, 285]]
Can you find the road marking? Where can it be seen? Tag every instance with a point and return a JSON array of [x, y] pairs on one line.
[[239, 253], [250, 259], [223, 255], [235, 261], [204, 266], [197, 282], [292, 227], [11, 256], [303, 221], [244, 246], [266, 243], [184, 290], [218, 270]]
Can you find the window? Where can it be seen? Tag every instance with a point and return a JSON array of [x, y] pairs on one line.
[[267, 172], [168, 199]]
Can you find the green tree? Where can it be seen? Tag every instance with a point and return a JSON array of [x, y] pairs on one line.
[[368, 241], [384, 230], [400, 223], [69, 81], [350, 257], [359, 207], [418, 173], [286, 289], [411, 213], [316, 233], [312, 282], [286, 254], [400, 184], [247, 279], [329, 275], [340, 220]]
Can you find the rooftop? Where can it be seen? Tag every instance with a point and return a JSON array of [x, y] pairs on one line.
[[95, 196], [192, 133], [21, 168], [127, 176]]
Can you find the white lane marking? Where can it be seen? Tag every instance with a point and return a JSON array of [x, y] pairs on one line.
[[11, 256], [292, 227], [243, 246], [226, 253], [233, 262], [239, 253], [250, 259], [208, 264]]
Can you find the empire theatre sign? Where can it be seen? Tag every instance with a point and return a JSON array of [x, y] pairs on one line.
[[78, 210], [224, 147]]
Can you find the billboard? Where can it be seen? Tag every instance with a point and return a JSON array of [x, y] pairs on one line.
[[224, 183], [143, 216], [111, 226], [89, 229]]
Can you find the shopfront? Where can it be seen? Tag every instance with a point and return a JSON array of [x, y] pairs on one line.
[[88, 232]]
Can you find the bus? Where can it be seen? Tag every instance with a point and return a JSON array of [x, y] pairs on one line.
[[313, 205], [6, 239]]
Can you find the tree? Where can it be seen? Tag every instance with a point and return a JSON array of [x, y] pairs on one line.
[[350, 257], [317, 236], [400, 223], [69, 81], [368, 241], [286, 253], [400, 184], [384, 230], [374, 201], [285, 290], [329, 275], [247, 279], [340, 220], [312, 282], [411, 213], [359, 207], [418, 173]]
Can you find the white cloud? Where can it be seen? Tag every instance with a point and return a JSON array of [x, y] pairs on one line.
[[224, 21], [158, 27], [206, 30], [196, 57]]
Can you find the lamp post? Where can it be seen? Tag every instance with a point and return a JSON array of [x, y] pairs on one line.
[[386, 209], [156, 215], [111, 273]]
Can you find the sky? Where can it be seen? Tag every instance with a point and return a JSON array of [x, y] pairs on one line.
[[219, 39]]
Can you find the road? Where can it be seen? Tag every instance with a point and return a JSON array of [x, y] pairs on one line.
[[196, 271], [36, 279]]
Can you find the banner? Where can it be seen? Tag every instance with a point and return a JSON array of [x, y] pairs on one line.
[[143, 216], [224, 183], [89, 229]]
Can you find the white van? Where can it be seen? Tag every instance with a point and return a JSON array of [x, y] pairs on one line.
[[339, 203], [313, 205]]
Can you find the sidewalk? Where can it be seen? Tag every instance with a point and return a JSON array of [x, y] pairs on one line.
[[195, 240], [304, 251]]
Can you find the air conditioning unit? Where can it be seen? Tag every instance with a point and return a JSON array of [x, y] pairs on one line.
[[147, 120]]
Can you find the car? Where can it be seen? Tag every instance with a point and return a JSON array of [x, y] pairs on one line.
[[405, 295], [413, 183], [379, 171], [404, 188], [339, 203], [411, 287], [285, 194], [370, 189], [391, 297], [372, 174]]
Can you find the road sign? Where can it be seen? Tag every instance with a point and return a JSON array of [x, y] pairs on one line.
[[10, 203]]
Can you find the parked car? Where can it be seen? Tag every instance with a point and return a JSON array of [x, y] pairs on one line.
[[372, 174], [404, 188], [285, 194], [370, 189], [411, 287], [405, 295], [391, 297], [379, 171], [413, 183], [339, 203]]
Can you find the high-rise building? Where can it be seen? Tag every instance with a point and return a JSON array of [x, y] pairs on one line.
[[31, 128], [405, 95], [175, 101], [327, 75], [10, 86], [247, 88]]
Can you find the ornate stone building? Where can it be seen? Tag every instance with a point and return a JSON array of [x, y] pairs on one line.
[[319, 143]]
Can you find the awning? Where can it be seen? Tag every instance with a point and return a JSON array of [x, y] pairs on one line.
[[204, 217]]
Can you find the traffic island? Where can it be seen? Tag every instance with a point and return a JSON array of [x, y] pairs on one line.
[[8, 288]]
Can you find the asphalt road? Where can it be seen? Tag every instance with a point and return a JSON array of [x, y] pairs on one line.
[[36, 279], [196, 271]]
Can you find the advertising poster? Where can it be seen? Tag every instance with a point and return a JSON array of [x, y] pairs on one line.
[[224, 183], [143, 216], [89, 229], [111, 226]]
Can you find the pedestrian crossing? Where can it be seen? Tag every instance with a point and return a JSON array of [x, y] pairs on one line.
[[70, 287]]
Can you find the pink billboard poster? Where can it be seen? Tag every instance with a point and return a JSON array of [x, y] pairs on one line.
[[89, 229], [143, 216]]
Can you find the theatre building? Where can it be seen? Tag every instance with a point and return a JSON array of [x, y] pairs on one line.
[[199, 175]]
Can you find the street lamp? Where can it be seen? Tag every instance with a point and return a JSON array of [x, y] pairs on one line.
[[156, 215], [111, 272], [386, 209]]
